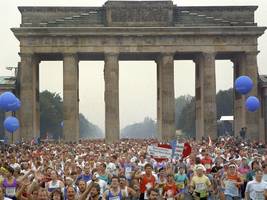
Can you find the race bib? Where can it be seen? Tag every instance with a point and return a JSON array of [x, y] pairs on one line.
[[148, 186], [259, 195], [231, 188], [169, 193], [200, 186], [201, 189], [180, 185], [10, 191], [128, 169], [114, 198], [207, 166]]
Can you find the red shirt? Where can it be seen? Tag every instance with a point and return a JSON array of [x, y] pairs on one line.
[[170, 188], [207, 162], [147, 183]]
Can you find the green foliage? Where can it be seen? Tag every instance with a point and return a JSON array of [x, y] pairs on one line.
[[225, 103], [51, 116], [187, 118], [180, 103], [145, 129], [87, 127], [186, 121]]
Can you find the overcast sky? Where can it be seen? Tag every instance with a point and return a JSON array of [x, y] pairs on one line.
[[137, 79]]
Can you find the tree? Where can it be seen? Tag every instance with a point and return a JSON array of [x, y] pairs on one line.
[[180, 103], [89, 130], [145, 129], [224, 100], [186, 121], [51, 116], [187, 118]]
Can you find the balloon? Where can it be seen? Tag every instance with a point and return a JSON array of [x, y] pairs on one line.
[[11, 124], [15, 106], [243, 84], [62, 124], [8, 101], [252, 103]]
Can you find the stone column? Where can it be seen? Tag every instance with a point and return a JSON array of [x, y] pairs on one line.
[[199, 99], [239, 62], [27, 113], [111, 77], [36, 125], [70, 97], [159, 133], [252, 118], [166, 99], [264, 99], [206, 106]]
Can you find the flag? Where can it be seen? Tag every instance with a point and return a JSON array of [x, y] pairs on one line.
[[32, 141], [187, 150], [173, 144]]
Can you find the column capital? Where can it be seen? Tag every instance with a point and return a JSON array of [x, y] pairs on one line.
[[25, 54], [251, 53], [113, 53], [207, 53], [70, 54], [168, 53], [34, 56], [164, 54]]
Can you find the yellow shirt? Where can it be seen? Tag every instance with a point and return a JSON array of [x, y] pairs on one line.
[[201, 185]]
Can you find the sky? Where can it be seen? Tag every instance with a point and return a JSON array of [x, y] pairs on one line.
[[137, 79]]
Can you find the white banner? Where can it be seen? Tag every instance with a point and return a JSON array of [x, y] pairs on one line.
[[179, 150], [159, 152]]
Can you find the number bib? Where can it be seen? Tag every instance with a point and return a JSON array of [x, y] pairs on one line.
[[259, 195], [201, 189], [114, 198], [231, 188], [128, 171], [10, 191], [148, 186], [180, 185]]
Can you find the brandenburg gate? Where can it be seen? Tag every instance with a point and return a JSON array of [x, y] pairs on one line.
[[139, 30]]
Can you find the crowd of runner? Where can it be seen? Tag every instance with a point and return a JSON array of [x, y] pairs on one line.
[[229, 168]]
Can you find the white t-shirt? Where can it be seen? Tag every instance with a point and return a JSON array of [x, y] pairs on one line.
[[111, 168], [6, 198], [256, 189], [264, 177], [102, 184]]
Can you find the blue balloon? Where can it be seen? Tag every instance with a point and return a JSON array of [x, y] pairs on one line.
[[252, 103], [243, 84], [8, 101], [62, 124], [16, 106], [11, 124]]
